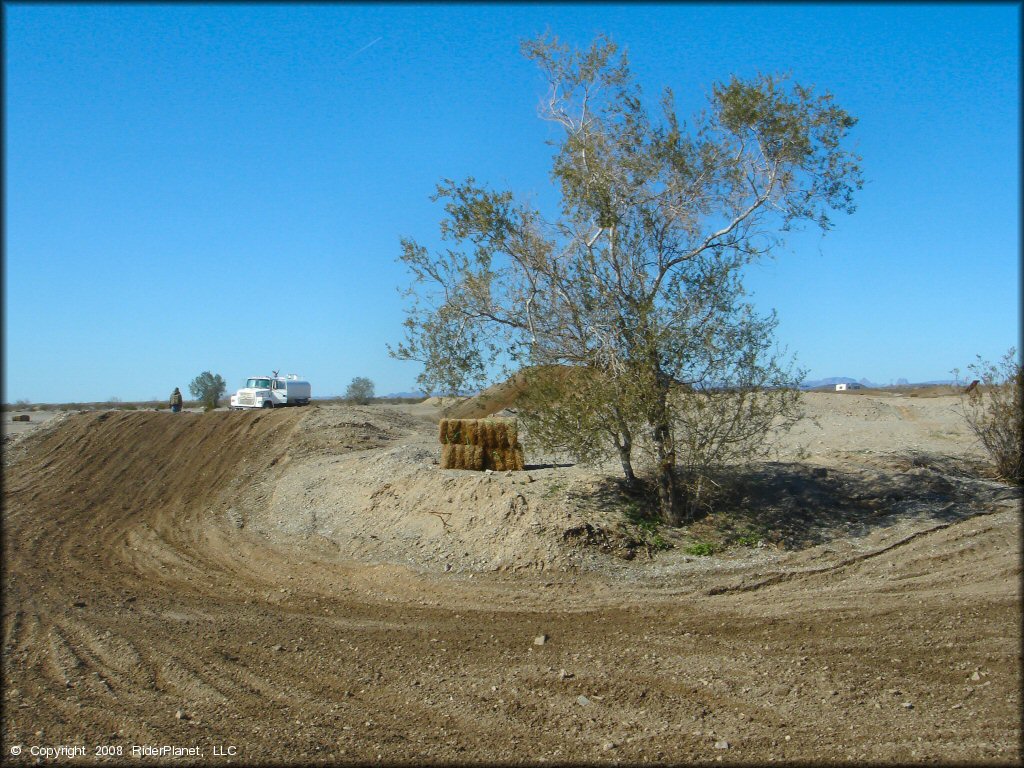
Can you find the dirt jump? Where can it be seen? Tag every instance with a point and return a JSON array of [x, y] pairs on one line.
[[309, 585]]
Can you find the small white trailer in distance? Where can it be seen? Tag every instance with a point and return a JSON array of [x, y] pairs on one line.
[[272, 392]]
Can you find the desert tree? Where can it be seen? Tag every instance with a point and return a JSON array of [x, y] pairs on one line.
[[636, 285], [360, 391], [208, 388], [994, 411]]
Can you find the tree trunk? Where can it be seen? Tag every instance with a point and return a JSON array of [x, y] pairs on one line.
[[624, 445], [668, 484], [623, 439]]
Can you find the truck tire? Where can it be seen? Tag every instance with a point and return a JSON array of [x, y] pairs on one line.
[[267, 404]]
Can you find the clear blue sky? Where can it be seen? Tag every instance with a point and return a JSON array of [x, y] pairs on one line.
[[224, 187]]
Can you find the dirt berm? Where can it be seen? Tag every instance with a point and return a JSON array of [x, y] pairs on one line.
[[308, 585]]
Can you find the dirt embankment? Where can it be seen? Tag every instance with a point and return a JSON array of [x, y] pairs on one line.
[[307, 584]]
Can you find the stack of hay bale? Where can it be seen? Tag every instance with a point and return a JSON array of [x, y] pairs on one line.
[[480, 444]]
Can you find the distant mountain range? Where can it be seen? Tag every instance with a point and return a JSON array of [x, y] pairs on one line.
[[809, 384], [833, 380]]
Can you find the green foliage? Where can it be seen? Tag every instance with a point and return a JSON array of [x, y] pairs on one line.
[[700, 548], [628, 312], [581, 412], [993, 410], [208, 388], [640, 514], [360, 391], [747, 540], [657, 543]]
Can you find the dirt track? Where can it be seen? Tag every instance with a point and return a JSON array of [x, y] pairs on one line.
[[137, 611]]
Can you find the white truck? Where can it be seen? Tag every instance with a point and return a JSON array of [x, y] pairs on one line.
[[272, 392]]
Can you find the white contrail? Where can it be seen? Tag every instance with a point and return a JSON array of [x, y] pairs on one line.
[[369, 44]]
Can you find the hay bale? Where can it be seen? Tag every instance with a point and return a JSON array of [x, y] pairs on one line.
[[505, 459], [495, 459], [512, 433], [450, 456], [457, 456], [478, 458], [473, 457], [479, 444], [459, 431], [493, 433], [500, 433]]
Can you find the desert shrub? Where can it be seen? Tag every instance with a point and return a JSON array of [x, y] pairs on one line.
[[992, 409], [360, 391], [720, 430], [647, 527], [208, 388], [748, 540], [657, 543], [701, 549]]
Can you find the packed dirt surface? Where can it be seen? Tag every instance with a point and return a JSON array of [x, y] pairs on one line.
[[304, 585]]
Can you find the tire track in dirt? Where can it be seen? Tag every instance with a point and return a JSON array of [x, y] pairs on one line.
[[83, 501], [787, 576], [113, 475]]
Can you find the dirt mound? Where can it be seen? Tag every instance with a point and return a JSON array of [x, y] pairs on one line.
[[493, 399], [370, 487], [442, 402], [147, 460], [504, 394], [363, 482]]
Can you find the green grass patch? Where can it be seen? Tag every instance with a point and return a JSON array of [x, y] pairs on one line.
[[701, 549]]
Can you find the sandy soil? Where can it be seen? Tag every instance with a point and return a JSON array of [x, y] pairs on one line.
[[308, 585]]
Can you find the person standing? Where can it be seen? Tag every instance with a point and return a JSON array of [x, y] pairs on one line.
[[176, 401]]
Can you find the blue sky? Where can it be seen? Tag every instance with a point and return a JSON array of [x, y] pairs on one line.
[[224, 187]]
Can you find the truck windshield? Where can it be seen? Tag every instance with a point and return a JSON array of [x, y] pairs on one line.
[[258, 384]]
